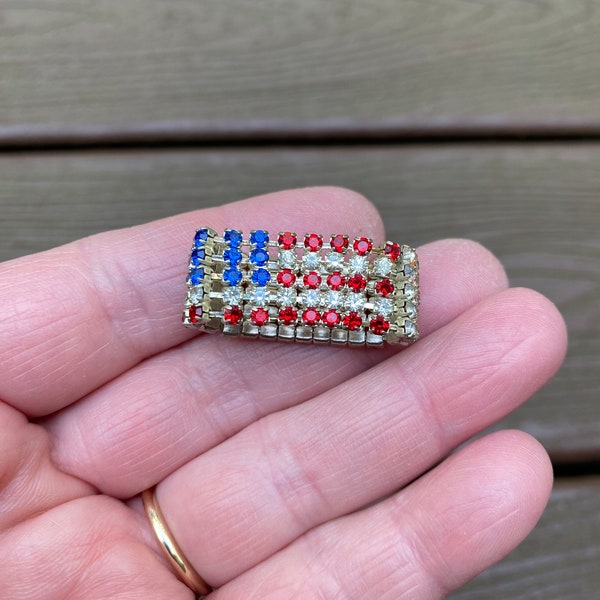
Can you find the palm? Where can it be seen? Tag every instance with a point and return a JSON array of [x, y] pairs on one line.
[[264, 453]]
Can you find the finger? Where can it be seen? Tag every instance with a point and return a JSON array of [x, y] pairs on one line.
[[422, 543], [113, 299], [134, 445], [89, 548], [295, 469], [29, 482]]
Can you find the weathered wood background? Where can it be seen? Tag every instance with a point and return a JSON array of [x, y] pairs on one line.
[[458, 118]]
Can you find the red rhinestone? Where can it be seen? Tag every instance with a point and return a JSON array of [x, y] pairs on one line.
[[259, 316], [313, 242], [311, 316], [233, 315], [195, 313], [288, 315], [331, 318], [339, 242], [312, 280], [335, 281], [352, 321], [392, 250], [379, 325], [362, 245], [286, 278], [384, 287], [357, 283], [287, 240]]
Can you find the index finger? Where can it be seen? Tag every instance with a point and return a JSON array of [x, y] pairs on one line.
[[78, 316]]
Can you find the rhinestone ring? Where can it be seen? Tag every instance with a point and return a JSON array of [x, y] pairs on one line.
[[338, 291]]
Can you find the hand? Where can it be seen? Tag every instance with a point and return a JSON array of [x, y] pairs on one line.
[[283, 471]]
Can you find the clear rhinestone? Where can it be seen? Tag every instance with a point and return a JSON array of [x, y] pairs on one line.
[[384, 306], [383, 266], [232, 295], [287, 259], [409, 291], [335, 261], [410, 309], [311, 260], [410, 328], [333, 299], [286, 296], [358, 264], [311, 298], [355, 302], [196, 295], [408, 256], [259, 296], [408, 271]]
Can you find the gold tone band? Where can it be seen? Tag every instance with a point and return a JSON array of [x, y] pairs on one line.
[[181, 565]]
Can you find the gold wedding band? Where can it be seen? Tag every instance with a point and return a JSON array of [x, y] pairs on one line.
[[184, 570], [338, 290]]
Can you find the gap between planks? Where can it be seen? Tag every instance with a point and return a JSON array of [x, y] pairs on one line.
[[276, 132]]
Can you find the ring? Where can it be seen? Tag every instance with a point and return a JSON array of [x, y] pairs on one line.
[[336, 291], [184, 570]]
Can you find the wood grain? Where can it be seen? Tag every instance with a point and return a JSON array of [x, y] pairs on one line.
[[559, 561], [537, 207], [72, 70]]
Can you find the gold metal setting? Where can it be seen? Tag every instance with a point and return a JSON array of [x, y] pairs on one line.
[[336, 290]]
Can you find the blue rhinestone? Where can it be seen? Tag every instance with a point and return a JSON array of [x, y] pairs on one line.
[[259, 256], [233, 238], [233, 256], [201, 237], [261, 277], [196, 276], [232, 276], [197, 257], [259, 237]]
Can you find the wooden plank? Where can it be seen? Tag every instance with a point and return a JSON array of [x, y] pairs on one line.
[[71, 71], [559, 561], [537, 207]]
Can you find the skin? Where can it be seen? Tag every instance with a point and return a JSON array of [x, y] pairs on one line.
[[283, 471]]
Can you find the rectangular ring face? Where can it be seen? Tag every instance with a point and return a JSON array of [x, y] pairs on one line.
[[309, 289]]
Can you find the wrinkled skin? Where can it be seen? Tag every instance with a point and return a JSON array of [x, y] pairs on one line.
[[283, 471]]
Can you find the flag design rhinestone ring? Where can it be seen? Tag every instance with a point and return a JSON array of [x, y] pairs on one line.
[[337, 290]]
